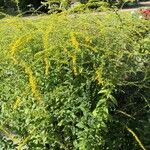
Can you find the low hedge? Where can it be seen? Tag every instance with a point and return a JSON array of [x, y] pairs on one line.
[[74, 82]]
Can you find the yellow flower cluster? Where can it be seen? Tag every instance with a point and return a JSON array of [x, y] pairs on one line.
[[17, 103], [74, 60], [46, 66], [74, 41], [99, 77], [32, 82], [14, 47]]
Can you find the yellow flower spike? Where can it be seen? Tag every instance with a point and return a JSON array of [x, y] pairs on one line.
[[32, 82], [47, 66], [99, 77], [14, 47], [45, 40], [74, 42], [17, 103], [19, 42]]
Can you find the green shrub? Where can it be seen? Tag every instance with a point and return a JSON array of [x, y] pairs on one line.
[[64, 78], [91, 6], [80, 8], [97, 5], [56, 6]]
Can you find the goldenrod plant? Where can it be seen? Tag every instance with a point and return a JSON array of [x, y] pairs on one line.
[[74, 82]]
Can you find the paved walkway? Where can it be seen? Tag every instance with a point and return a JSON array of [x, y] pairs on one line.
[[144, 4], [141, 5]]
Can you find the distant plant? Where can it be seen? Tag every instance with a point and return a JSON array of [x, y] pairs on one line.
[[142, 13], [57, 6], [145, 13]]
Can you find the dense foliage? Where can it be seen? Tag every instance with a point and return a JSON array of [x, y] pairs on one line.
[[75, 82]]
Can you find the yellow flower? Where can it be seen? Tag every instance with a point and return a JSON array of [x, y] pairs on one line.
[[17, 103], [74, 41], [46, 66], [32, 82], [15, 46], [99, 77]]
